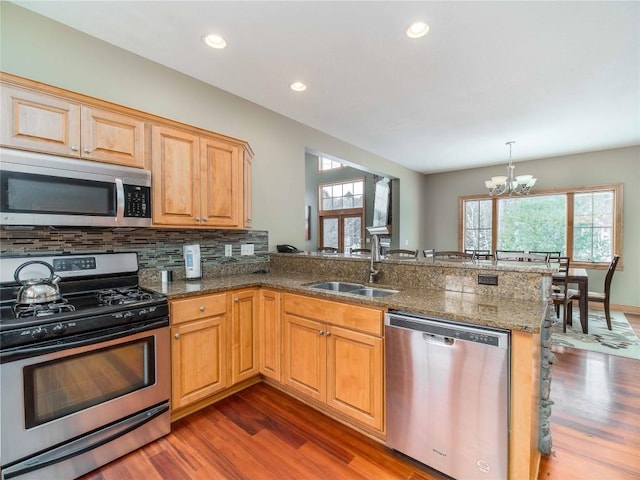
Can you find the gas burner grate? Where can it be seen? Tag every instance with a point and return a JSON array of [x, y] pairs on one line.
[[28, 310], [122, 296]]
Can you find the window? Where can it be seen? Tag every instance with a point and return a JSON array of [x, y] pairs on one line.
[[580, 223], [325, 164], [341, 214]]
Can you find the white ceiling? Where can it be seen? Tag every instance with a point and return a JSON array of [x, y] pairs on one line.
[[556, 77]]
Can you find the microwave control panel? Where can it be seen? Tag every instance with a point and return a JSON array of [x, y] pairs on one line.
[[137, 201]]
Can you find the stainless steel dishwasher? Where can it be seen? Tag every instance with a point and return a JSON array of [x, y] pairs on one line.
[[448, 395]]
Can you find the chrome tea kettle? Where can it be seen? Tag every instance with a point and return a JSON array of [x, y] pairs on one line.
[[39, 290]]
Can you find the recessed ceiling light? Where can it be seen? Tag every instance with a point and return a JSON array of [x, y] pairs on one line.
[[417, 30], [298, 87], [214, 41]]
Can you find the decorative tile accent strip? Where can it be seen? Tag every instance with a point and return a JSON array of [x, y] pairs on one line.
[[157, 248]]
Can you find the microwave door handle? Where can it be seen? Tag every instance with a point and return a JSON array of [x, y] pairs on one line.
[[119, 200]]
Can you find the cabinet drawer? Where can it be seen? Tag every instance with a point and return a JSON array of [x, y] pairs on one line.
[[364, 319], [194, 308]]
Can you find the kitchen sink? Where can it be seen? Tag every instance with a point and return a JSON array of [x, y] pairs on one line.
[[353, 288]]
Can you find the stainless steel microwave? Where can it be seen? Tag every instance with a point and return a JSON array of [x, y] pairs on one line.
[[41, 189]]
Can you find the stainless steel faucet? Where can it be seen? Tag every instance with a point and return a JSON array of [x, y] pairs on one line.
[[375, 257]]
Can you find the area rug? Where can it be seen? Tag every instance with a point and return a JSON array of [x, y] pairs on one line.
[[621, 340]]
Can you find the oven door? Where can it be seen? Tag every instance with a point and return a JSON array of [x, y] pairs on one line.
[[54, 397]]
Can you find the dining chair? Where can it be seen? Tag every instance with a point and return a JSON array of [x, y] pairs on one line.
[[509, 254], [327, 250], [560, 294], [452, 254], [551, 254], [480, 254], [603, 297], [401, 253]]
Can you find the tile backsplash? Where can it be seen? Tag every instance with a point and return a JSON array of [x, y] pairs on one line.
[[157, 248]]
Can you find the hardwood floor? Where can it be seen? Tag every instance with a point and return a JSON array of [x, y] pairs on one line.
[[261, 433]]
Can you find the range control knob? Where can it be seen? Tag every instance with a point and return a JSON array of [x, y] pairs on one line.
[[59, 329], [143, 313], [39, 333]]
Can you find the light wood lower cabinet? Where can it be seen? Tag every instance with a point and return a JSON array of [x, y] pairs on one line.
[[244, 335], [342, 367], [198, 348], [270, 333], [214, 344]]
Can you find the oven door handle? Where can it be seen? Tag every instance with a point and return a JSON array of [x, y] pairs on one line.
[[86, 443], [21, 352]]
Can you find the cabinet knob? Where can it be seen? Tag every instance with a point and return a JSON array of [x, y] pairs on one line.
[[176, 336], [74, 148], [202, 308], [328, 334], [197, 219], [87, 150], [321, 332], [237, 300], [204, 219]]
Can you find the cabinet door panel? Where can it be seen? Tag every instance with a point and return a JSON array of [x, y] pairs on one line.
[[39, 122], [270, 327], [305, 356], [222, 184], [112, 137], [198, 360], [354, 375], [176, 176], [244, 334]]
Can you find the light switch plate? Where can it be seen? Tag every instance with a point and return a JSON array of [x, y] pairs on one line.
[[228, 250], [246, 249]]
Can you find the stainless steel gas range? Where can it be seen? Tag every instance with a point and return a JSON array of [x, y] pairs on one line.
[[84, 363]]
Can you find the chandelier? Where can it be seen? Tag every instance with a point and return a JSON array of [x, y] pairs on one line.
[[510, 184]]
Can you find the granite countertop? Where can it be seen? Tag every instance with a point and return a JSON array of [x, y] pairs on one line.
[[506, 313]]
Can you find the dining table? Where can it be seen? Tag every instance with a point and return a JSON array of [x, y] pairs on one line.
[[579, 277]]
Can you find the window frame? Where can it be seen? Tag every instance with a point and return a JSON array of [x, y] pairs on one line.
[[342, 213], [332, 169], [617, 190]]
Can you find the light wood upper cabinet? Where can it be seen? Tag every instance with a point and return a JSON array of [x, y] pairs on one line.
[[175, 166], [221, 187], [39, 122], [198, 181], [270, 333], [333, 352], [244, 335], [112, 137], [51, 124]]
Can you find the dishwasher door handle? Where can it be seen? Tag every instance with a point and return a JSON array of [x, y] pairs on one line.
[[439, 339]]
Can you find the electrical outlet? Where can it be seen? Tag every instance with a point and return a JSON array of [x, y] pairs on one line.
[[487, 280], [228, 250], [246, 249]]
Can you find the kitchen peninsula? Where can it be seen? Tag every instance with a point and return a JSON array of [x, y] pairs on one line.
[[446, 290]]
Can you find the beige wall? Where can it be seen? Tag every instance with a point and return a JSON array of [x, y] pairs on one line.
[[622, 165], [38, 48]]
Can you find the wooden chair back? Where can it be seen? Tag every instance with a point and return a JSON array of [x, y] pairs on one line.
[[453, 254], [401, 253]]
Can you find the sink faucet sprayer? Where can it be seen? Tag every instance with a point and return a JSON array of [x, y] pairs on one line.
[[375, 257], [375, 248]]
